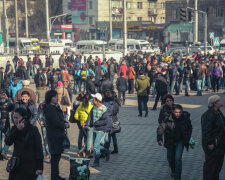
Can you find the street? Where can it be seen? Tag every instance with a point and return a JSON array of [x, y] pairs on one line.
[[140, 157]]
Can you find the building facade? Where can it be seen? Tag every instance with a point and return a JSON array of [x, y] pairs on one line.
[[90, 19]]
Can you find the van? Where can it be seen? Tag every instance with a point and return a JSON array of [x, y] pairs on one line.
[[88, 46], [24, 44]]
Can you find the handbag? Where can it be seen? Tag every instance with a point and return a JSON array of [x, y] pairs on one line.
[[65, 100], [116, 128], [66, 141], [14, 161], [40, 177]]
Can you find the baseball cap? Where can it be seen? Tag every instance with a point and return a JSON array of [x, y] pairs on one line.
[[98, 96]]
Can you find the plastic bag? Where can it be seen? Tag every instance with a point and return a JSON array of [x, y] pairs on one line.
[[40, 177]]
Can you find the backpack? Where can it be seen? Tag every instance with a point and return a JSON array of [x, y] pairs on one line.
[[15, 85], [83, 74]]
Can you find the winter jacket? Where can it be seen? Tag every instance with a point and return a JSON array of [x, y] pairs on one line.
[[82, 113], [9, 70], [123, 68], [101, 124], [60, 95], [55, 128], [168, 127], [21, 72], [54, 78], [213, 132], [49, 62], [28, 148], [29, 65], [15, 86], [121, 84], [90, 87], [131, 73], [62, 62], [142, 85], [187, 73], [109, 103], [106, 85], [6, 107], [216, 71], [198, 74], [31, 92], [164, 113], [31, 106], [161, 85], [40, 80]]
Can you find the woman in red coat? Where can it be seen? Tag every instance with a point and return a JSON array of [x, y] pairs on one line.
[[123, 68]]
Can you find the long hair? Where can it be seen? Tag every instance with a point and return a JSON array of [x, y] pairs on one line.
[[49, 95], [85, 100]]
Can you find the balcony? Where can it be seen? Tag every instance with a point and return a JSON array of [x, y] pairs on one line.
[[152, 12]]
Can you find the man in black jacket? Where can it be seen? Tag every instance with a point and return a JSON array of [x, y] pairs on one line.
[[161, 86], [121, 85], [213, 139], [91, 85]]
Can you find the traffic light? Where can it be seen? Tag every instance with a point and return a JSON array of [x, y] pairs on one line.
[[190, 15], [183, 14], [69, 19]]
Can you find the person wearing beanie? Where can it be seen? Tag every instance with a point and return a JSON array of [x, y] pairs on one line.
[[213, 138]]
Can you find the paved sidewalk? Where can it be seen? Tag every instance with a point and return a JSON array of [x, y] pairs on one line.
[[140, 157]]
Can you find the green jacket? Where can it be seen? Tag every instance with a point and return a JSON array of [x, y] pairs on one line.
[[141, 85]]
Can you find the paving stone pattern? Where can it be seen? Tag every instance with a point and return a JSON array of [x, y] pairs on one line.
[[140, 157]]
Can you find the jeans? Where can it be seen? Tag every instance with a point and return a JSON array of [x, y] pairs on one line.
[[83, 83], [142, 101], [114, 139], [199, 87], [209, 82], [55, 158], [30, 71], [5, 148], [111, 78], [203, 82], [97, 138], [212, 167], [77, 86], [120, 94], [43, 131], [172, 87], [187, 86], [131, 86], [153, 88], [82, 134], [89, 143], [174, 157], [179, 85]]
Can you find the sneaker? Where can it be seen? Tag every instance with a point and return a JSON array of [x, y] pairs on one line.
[[107, 156], [140, 115], [146, 114], [4, 156]]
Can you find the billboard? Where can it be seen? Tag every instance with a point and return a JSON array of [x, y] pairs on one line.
[[79, 15]]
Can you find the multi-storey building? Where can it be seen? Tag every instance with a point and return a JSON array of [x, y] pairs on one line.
[[145, 19]]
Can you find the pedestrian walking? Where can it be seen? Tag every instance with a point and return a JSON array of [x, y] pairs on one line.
[[142, 86], [121, 85], [177, 130], [213, 138], [131, 79]]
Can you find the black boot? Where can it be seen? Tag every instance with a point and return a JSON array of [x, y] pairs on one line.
[[115, 151]]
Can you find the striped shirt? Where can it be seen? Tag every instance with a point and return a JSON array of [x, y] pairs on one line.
[[98, 112]]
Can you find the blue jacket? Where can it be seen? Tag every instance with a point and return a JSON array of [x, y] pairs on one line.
[[14, 86]]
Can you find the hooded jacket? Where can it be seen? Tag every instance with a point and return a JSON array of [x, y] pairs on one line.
[[142, 85], [82, 113]]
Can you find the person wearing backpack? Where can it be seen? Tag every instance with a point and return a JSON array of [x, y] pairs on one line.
[[76, 78], [83, 77], [15, 85]]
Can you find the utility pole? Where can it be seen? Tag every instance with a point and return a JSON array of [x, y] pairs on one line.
[[124, 29], [47, 20], [6, 38], [17, 29], [26, 19], [110, 19], [206, 33], [196, 23]]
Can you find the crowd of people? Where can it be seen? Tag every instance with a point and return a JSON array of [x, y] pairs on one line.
[[100, 87]]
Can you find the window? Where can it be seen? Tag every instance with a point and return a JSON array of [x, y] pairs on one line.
[[69, 5], [218, 12], [152, 5], [139, 18], [90, 5], [162, 5], [128, 5], [139, 5], [91, 20]]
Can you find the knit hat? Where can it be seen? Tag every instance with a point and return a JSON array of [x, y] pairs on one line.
[[26, 83], [213, 99], [60, 84]]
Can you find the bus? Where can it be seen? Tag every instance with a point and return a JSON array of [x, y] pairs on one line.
[[52, 47], [35, 43], [88, 46], [24, 44]]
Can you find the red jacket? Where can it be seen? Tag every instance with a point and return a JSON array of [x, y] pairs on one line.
[[123, 68]]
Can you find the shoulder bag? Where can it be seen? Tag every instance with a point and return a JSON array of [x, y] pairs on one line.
[[65, 100]]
